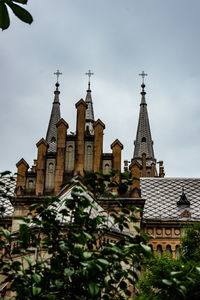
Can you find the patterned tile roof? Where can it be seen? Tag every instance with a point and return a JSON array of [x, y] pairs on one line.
[[162, 195], [7, 187]]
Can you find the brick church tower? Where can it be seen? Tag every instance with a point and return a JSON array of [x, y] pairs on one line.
[[61, 156], [169, 204]]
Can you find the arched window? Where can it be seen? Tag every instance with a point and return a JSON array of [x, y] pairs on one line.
[[30, 184], [168, 250], [70, 148], [159, 250], [50, 168], [89, 150], [143, 140], [107, 168], [53, 139], [70, 158]]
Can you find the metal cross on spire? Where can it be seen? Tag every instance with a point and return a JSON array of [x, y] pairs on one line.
[[143, 76], [89, 74], [57, 73]]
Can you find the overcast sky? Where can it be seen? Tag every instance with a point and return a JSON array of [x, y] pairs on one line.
[[116, 39]]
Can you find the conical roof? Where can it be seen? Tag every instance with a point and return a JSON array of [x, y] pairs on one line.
[[51, 136], [89, 111], [143, 142]]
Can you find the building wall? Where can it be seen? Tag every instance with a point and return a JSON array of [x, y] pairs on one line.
[[164, 237]]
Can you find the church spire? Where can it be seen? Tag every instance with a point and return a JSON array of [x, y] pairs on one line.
[[89, 111], [143, 142], [51, 137]]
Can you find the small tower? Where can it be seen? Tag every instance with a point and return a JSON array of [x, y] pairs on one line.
[[143, 150], [89, 115], [51, 136]]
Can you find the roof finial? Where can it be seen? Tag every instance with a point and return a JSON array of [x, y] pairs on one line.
[[143, 93], [89, 74], [57, 73], [143, 76]]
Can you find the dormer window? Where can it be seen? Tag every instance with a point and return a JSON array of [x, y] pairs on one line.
[[183, 200]]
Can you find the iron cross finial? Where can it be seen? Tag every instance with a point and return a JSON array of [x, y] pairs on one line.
[[89, 74], [143, 76], [57, 73]]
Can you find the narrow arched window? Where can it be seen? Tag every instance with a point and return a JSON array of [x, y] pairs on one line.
[[70, 148], [89, 150], [30, 184], [70, 158], [107, 168], [143, 140], [50, 169], [168, 250], [53, 139], [159, 250]]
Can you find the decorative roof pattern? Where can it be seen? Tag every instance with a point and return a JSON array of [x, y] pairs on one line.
[[51, 137], [143, 142], [7, 187], [162, 194]]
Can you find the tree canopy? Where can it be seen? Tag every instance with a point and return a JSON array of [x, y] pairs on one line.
[[164, 278], [63, 252]]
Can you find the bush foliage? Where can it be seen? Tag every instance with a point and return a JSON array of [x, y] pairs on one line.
[[61, 253]]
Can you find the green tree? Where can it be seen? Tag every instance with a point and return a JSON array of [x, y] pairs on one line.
[[164, 278], [17, 9], [61, 253]]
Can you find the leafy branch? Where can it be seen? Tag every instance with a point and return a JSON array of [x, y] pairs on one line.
[[17, 9]]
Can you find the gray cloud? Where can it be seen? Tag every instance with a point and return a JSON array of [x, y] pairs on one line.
[[117, 40]]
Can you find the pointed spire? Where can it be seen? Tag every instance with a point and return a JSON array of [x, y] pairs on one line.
[[143, 142], [89, 111], [51, 136]]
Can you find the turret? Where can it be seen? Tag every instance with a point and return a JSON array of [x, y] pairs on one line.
[[51, 136], [143, 144], [89, 114]]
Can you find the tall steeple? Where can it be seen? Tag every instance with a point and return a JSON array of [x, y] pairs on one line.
[[143, 142], [51, 137], [89, 111]]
